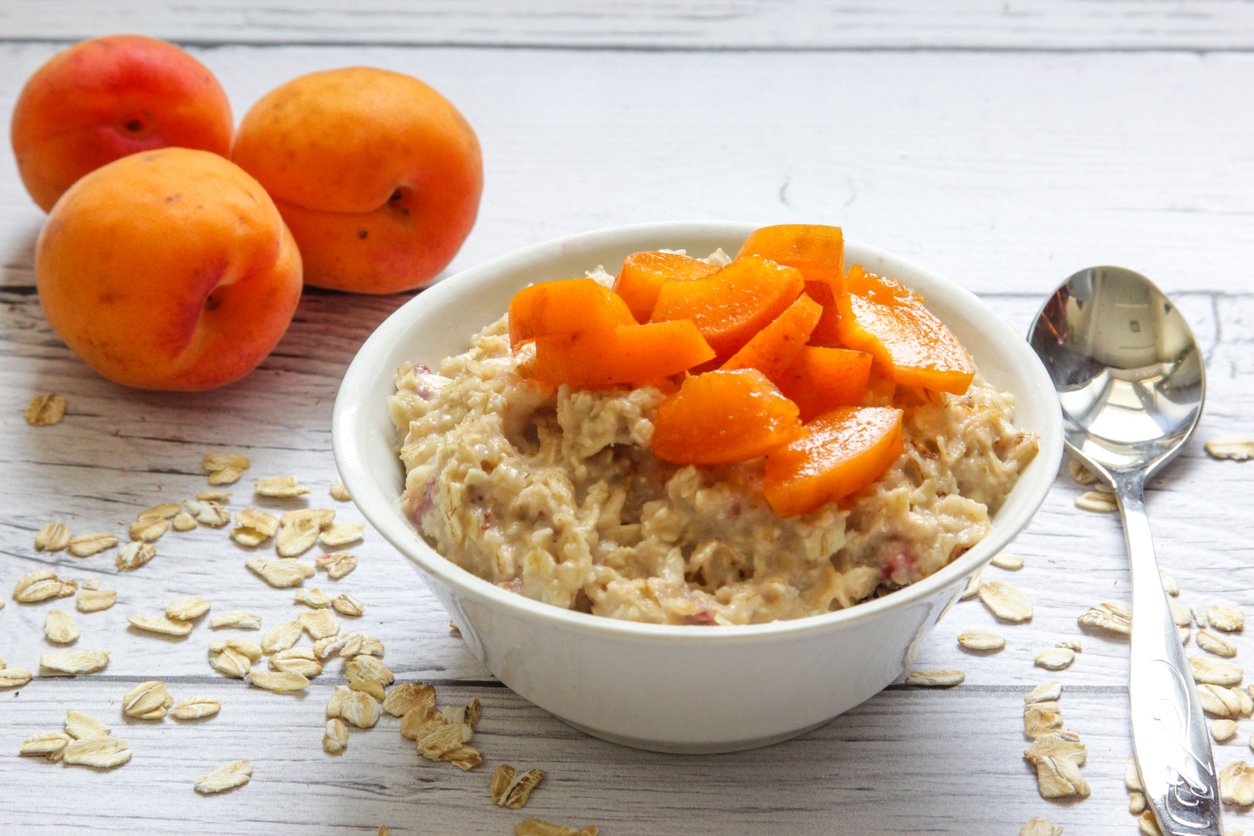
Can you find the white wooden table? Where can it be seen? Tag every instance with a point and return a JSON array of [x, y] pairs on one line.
[[1004, 144]]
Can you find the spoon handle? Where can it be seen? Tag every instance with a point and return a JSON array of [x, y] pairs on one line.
[[1168, 728]]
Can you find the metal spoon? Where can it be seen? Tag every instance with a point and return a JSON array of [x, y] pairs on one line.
[[1130, 380]]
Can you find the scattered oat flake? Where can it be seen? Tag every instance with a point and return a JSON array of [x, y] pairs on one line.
[[1008, 603], [1058, 757], [134, 554], [281, 574], [187, 609], [1236, 784], [347, 604], [341, 534], [1180, 614], [82, 726], [319, 624], [337, 564], [313, 597], [338, 492], [298, 532], [75, 661], [1045, 692], [360, 709], [98, 752], [1040, 827], [281, 682], [980, 640], [183, 521], [1223, 730], [1112, 618], [1208, 671], [511, 789], [279, 487], [1071, 644], [1055, 658], [225, 468], [148, 530], [195, 708], [1132, 776], [45, 410], [50, 744], [254, 527], [335, 705], [1169, 584], [208, 512], [454, 630], [540, 827], [335, 737], [1041, 718], [407, 696], [147, 701], [226, 777], [973, 586], [1232, 449], [1148, 825], [85, 545], [368, 674], [1213, 642], [1097, 501], [228, 661], [1225, 618], [59, 627], [299, 660], [13, 677], [239, 619], [1080, 473], [1009, 562], [160, 624], [936, 678], [41, 585], [1219, 701], [281, 637], [53, 537]]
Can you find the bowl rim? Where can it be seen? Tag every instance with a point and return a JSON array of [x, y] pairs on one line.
[[391, 523]]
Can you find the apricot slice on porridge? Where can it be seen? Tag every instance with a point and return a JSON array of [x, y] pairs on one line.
[[880, 316], [643, 274], [820, 379], [564, 306], [773, 349], [732, 304], [841, 452], [627, 354], [723, 417], [816, 250]]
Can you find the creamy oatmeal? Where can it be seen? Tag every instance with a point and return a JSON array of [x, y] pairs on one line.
[[555, 494]]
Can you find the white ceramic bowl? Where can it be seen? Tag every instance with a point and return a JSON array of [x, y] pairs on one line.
[[672, 688]]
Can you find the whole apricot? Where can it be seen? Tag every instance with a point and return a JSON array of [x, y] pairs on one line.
[[377, 175], [169, 269], [103, 99]]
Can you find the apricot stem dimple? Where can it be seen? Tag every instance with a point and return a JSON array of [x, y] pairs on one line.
[[401, 199], [136, 122], [212, 302]]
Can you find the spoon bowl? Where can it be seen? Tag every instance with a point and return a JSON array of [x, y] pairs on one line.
[[1130, 381]]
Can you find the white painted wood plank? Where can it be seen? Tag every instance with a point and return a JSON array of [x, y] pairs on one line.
[[1002, 172], [663, 24]]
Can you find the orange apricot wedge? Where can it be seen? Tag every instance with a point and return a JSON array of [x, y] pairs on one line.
[[642, 275], [626, 354], [820, 379], [560, 307], [723, 417], [841, 452], [772, 349], [881, 317], [817, 251], [733, 304]]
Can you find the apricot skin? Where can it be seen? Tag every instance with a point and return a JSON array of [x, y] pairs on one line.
[[169, 269], [105, 98], [377, 175]]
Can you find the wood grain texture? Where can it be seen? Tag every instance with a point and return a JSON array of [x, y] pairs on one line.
[[1003, 145], [1055, 25]]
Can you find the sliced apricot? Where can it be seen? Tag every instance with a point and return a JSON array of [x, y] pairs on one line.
[[626, 354], [820, 379], [560, 307], [772, 349], [643, 274], [881, 317], [841, 452], [723, 417], [733, 304], [817, 251]]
